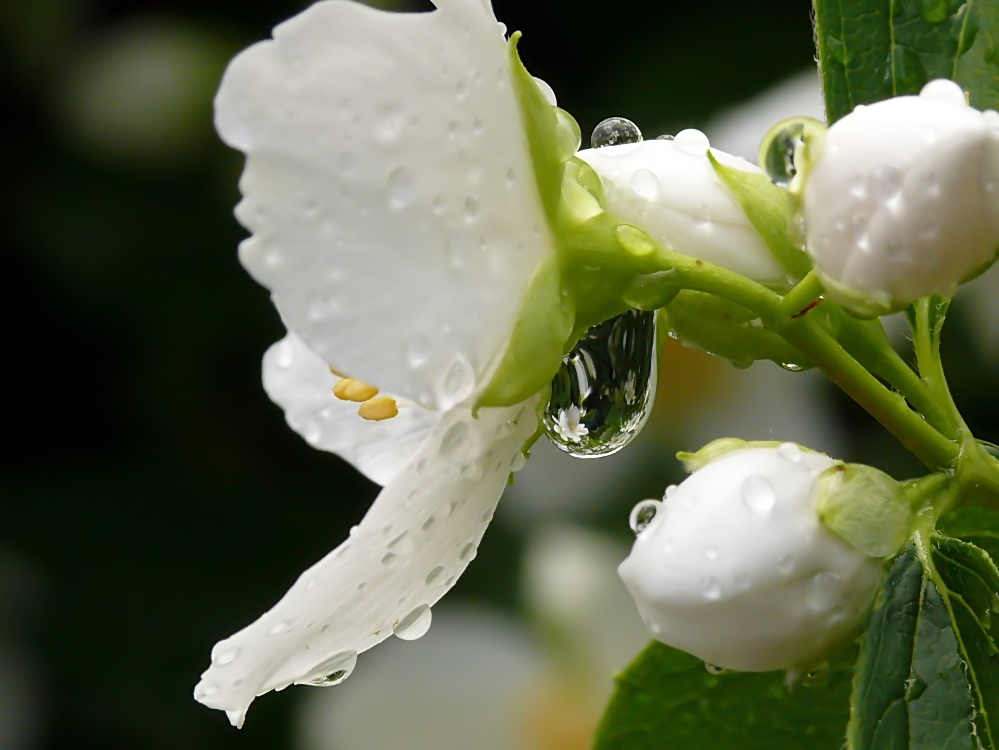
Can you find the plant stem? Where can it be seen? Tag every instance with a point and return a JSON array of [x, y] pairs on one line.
[[796, 302]]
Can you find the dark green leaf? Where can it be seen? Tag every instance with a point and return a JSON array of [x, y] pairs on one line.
[[667, 699], [928, 673], [871, 50]]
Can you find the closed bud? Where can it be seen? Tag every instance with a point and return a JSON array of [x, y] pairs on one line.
[[902, 199], [736, 567]]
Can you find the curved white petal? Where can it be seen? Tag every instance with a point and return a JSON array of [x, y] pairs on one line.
[[300, 382], [389, 189], [671, 190], [417, 538]]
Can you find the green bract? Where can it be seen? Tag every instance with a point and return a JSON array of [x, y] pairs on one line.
[[866, 507], [723, 446]]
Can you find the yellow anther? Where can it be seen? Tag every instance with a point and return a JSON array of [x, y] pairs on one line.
[[351, 389], [378, 409]]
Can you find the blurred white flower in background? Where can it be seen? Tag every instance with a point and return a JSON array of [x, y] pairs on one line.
[[481, 680], [141, 93]]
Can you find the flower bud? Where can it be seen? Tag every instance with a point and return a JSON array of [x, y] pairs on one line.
[[902, 200], [737, 568], [670, 189]]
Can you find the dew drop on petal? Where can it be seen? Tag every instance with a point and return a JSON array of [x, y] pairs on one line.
[[646, 184], [468, 552], [711, 588], [603, 393], [400, 188], [418, 351], [713, 669], [279, 628], [227, 656], [615, 131], [691, 141], [547, 92], [643, 514], [284, 355], [789, 452], [825, 591], [332, 671], [885, 182], [665, 137], [786, 564], [518, 462], [758, 494], [434, 574], [415, 624], [779, 158], [454, 438]]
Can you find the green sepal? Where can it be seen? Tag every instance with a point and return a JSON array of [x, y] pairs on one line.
[[865, 507], [534, 354], [728, 330], [667, 700], [722, 447], [770, 211]]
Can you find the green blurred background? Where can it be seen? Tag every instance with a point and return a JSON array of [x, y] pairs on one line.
[[153, 500]]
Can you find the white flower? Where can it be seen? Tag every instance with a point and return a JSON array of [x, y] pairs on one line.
[[569, 426], [902, 199], [670, 189], [398, 223], [737, 569]]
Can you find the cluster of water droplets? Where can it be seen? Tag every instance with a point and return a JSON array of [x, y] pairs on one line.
[[604, 391]]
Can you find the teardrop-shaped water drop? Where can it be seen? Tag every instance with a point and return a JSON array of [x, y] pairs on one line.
[[603, 394], [643, 514], [415, 624], [331, 671], [614, 131], [778, 159], [714, 669]]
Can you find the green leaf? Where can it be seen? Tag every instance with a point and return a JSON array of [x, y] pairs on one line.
[[928, 673], [666, 699], [871, 50]]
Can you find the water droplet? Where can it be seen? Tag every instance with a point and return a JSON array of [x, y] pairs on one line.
[[645, 183], [670, 492], [471, 209], [786, 564], [518, 462], [228, 656], [824, 592], [759, 494], [702, 214], [547, 92], [885, 182], [414, 625], [713, 669], [858, 187], [614, 131], [711, 553], [461, 91], [643, 514], [816, 676], [453, 439], [692, 141], [666, 137], [511, 176], [313, 432], [434, 574], [400, 188], [281, 627], [418, 351], [789, 452], [941, 89], [458, 383], [603, 393], [468, 552], [284, 355], [208, 690], [331, 671], [711, 588], [347, 164], [778, 160], [317, 309]]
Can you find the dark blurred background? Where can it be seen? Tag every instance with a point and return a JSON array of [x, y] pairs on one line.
[[153, 500]]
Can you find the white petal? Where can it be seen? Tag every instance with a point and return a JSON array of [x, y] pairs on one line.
[[671, 190], [417, 538], [389, 190], [300, 382]]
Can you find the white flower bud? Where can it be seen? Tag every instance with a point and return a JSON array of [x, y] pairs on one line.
[[902, 200], [670, 189], [737, 569]]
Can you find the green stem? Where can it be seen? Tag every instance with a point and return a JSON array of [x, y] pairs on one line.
[[806, 292]]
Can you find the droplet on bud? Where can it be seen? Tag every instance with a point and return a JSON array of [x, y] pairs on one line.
[[603, 394], [615, 131], [713, 669], [643, 514], [777, 159]]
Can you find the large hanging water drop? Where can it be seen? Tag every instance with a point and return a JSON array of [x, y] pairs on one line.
[[777, 158], [603, 394], [615, 131]]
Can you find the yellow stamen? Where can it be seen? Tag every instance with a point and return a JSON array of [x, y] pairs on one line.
[[337, 372], [351, 389], [378, 409]]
